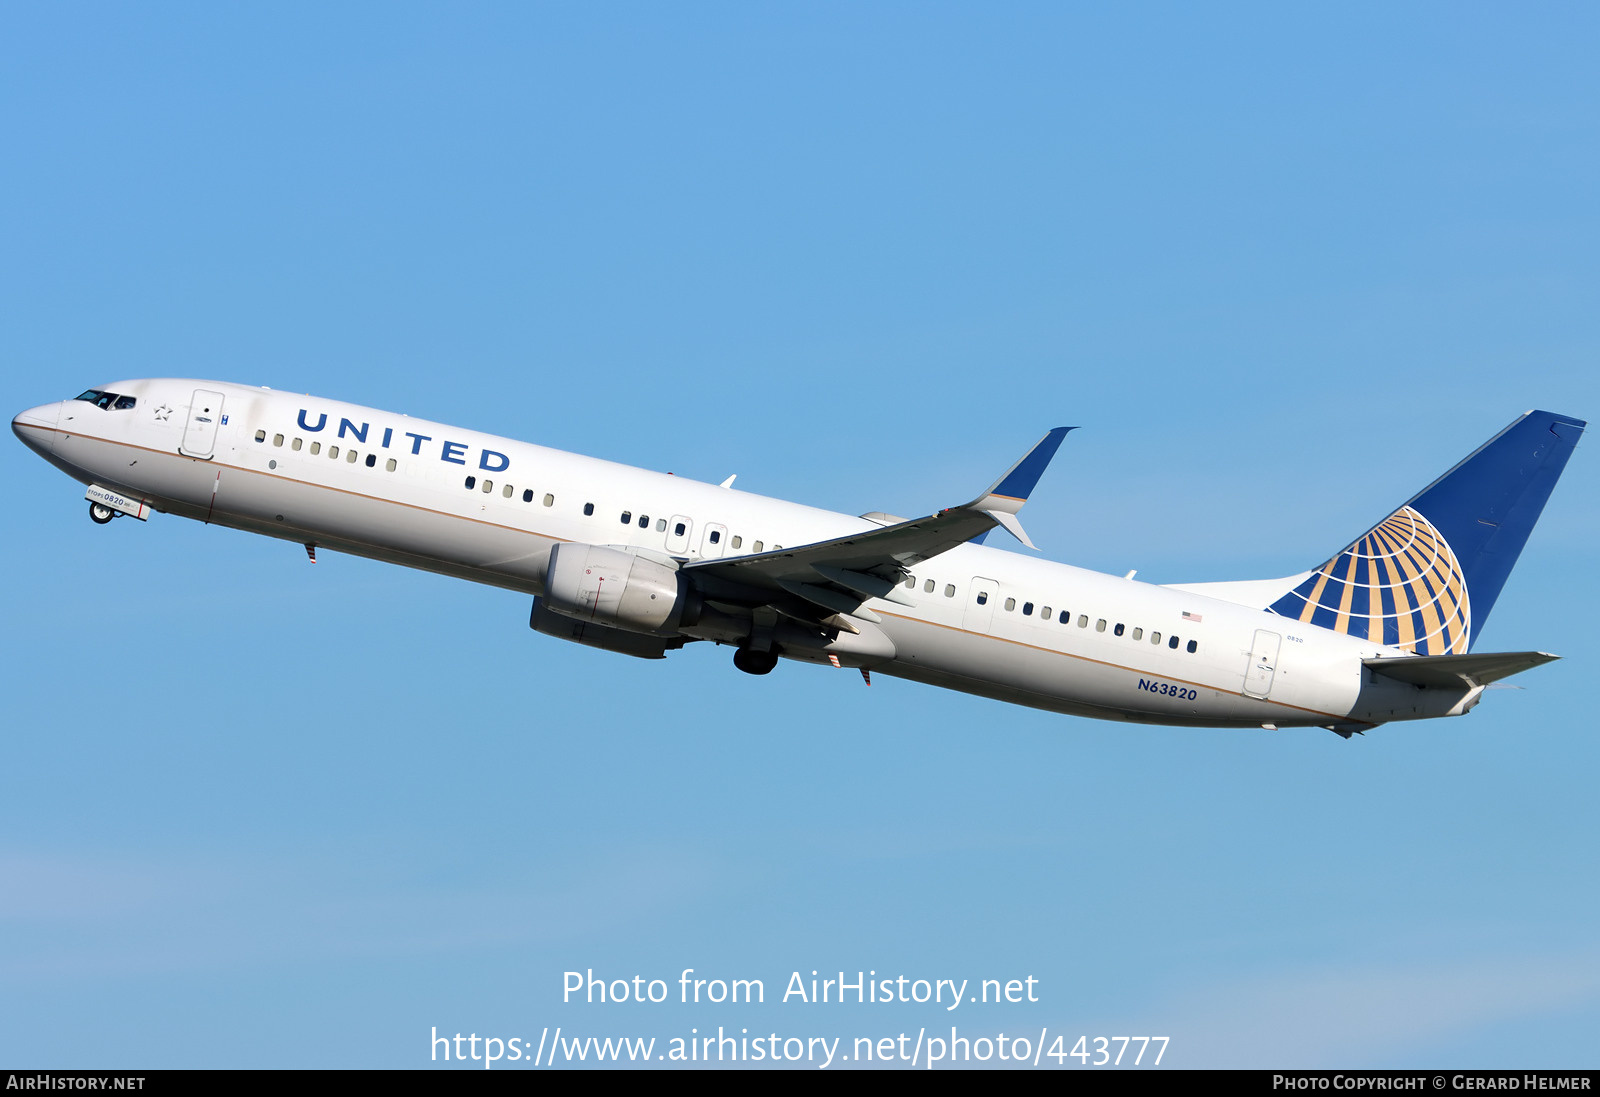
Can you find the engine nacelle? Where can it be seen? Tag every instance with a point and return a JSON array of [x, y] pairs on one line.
[[599, 636], [616, 588]]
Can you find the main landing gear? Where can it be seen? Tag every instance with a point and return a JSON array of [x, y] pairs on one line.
[[100, 514], [755, 662]]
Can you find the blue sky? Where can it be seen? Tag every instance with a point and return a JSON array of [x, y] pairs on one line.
[[1282, 265]]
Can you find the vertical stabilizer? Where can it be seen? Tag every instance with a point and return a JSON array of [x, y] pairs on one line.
[[1426, 577]]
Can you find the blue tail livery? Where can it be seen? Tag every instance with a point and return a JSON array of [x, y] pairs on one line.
[[1425, 578]]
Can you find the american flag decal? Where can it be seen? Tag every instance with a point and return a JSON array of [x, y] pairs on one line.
[[1195, 617]]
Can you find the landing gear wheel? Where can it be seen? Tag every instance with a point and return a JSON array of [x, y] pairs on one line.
[[755, 662], [100, 513]]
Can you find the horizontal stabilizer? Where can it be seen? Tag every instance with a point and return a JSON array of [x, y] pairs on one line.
[[1446, 671]]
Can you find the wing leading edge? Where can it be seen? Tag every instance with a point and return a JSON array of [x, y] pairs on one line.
[[840, 573]]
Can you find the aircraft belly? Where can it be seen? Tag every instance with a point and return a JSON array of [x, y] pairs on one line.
[[134, 470], [1041, 678], [386, 529], [280, 506]]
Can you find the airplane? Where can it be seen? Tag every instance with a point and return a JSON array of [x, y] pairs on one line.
[[643, 563]]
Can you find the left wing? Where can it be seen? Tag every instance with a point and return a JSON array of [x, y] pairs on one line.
[[839, 574]]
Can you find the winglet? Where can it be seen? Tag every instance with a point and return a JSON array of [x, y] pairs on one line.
[[1012, 490]]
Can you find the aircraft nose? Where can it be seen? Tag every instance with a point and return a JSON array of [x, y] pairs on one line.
[[37, 426]]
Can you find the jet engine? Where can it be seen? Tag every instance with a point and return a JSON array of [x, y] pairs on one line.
[[599, 636], [617, 589]]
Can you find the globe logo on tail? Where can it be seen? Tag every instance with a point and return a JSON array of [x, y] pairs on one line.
[[1400, 585]]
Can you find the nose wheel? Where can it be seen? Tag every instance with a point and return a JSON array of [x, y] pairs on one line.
[[100, 514], [755, 662]]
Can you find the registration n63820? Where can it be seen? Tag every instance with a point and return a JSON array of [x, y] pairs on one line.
[[1167, 689]]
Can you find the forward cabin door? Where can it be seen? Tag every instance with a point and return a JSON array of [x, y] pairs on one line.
[[200, 432], [1263, 663]]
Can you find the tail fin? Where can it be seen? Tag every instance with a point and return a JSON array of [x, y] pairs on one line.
[[1426, 577]]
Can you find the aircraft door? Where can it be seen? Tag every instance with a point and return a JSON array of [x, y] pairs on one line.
[[981, 597], [1263, 663], [678, 530], [200, 432], [713, 541]]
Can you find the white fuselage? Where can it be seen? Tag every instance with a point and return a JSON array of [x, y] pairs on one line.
[[489, 509]]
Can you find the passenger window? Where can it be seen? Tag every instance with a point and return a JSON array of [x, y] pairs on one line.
[[679, 530], [472, 482], [928, 586], [911, 580], [1193, 646], [1065, 618], [527, 495], [549, 500], [737, 541], [1138, 634], [627, 516], [1173, 643], [507, 492], [277, 439], [777, 548], [1118, 630], [983, 598], [1011, 604], [588, 509], [316, 448], [757, 547], [716, 537], [644, 521], [1155, 638], [1044, 614], [1083, 620], [661, 525], [261, 436], [1100, 625], [295, 445], [389, 466], [1027, 609], [949, 590], [333, 453], [372, 460], [350, 456]]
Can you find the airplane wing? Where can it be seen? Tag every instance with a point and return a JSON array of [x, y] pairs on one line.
[[840, 573]]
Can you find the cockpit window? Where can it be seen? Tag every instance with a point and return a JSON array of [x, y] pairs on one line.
[[108, 400]]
